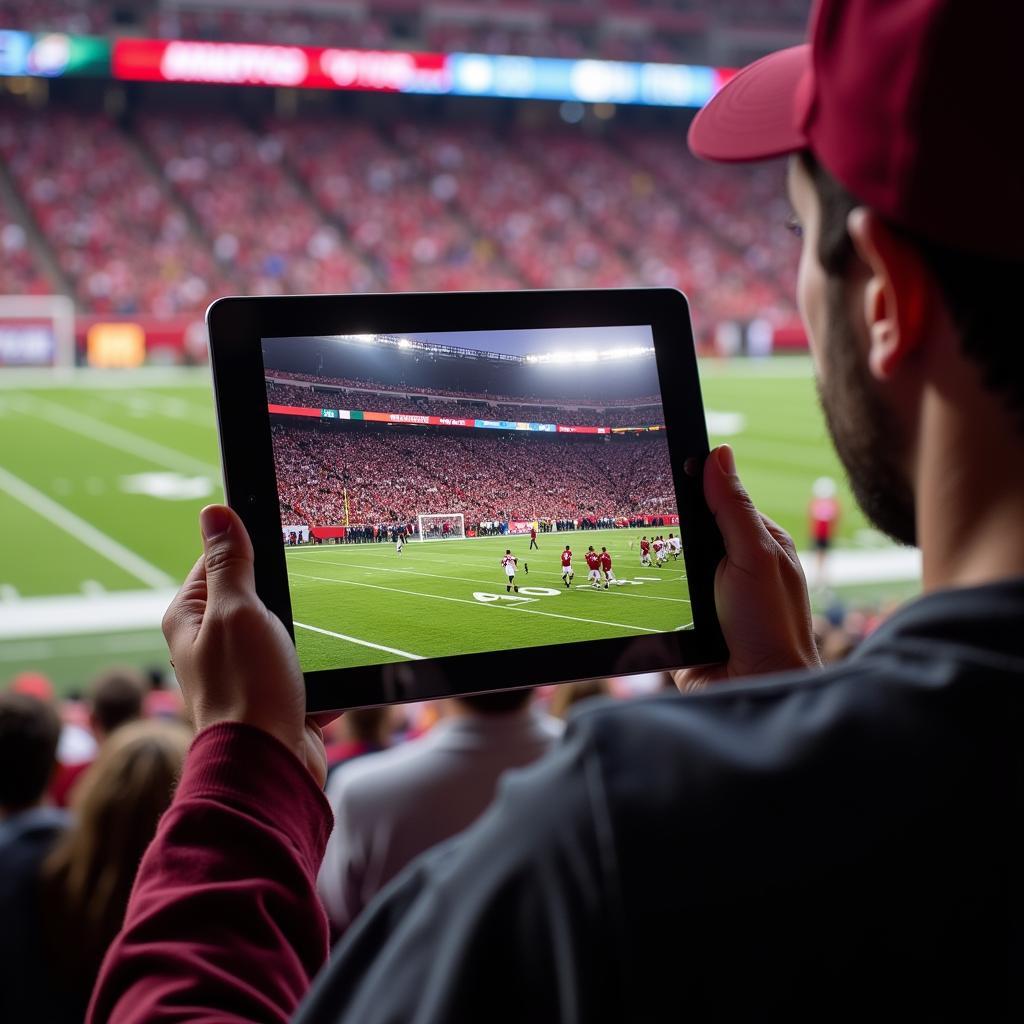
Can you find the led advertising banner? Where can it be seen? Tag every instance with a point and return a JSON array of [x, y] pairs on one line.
[[297, 67], [53, 54], [457, 74], [444, 421]]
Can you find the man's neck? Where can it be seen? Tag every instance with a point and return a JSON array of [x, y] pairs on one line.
[[970, 496]]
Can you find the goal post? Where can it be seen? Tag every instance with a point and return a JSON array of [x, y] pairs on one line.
[[441, 526]]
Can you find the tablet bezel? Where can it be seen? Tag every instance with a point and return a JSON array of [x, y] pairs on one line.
[[237, 327]]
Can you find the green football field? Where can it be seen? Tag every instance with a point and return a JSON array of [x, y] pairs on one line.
[[364, 604], [102, 475]]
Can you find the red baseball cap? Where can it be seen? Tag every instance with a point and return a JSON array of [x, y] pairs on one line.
[[913, 105]]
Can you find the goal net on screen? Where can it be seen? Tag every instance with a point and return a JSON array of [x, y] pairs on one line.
[[442, 526]]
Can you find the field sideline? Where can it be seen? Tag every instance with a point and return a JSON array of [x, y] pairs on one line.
[[102, 475]]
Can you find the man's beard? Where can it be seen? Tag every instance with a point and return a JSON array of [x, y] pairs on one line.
[[864, 431]]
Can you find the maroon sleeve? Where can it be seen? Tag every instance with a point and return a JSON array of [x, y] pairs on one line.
[[224, 922]]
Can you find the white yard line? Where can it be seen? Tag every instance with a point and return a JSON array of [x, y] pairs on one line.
[[82, 531], [476, 604], [115, 437], [362, 643], [32, 617]]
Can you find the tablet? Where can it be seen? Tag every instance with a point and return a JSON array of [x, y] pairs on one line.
[[458, 493]]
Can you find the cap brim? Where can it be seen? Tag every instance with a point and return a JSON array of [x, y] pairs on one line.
[[754, 115]]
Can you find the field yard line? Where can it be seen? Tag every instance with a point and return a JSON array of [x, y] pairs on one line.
[[112, 612], [82, 531], [115, 437], [487, 582], [478, 604], [362, 643]]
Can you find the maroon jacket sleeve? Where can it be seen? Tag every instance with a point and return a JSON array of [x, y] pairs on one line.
[[224, 922]]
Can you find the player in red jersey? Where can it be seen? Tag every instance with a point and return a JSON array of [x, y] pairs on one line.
[[606, 565], [645, 551], [567, 571], [594, 565], [533, 537], [509, 563], [824, 515]]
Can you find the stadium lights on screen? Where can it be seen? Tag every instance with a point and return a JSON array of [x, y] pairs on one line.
[[561, 358]]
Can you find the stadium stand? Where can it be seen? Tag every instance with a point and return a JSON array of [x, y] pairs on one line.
[[20, 273], [162, 213], [110, 225], [396, 474], [257, 219]]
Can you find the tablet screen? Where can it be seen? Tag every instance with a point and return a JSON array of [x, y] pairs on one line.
[[456, 493]]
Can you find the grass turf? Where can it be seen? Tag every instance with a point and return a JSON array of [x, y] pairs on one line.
[[367, 604]]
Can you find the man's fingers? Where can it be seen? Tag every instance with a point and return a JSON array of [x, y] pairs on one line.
[[228, 557], [784, 541], [739, 522], [184, 615]]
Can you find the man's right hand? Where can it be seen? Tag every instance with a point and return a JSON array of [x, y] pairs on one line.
[[760, 591], [233, 657]]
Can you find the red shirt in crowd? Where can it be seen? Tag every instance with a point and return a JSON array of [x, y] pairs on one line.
[[824, 516]]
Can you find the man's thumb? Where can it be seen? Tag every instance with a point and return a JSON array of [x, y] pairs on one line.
[[738, 521], [228, 554]]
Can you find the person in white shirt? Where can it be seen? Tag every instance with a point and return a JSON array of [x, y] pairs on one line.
[[391, 806], [509, 563]]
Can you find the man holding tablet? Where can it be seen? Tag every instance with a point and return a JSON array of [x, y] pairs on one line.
[[817, 845]]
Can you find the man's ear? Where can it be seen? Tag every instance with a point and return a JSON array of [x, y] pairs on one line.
[[896, 307]]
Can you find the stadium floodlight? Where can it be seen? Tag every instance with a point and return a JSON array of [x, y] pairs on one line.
[[368, 338], [586, 357], [404, 343], [442, 526]]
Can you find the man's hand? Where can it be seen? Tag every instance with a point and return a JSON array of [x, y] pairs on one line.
[[760, 591], [232, 656]]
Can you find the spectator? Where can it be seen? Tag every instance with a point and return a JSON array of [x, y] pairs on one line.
[[116, 696], [87, 878], [361, 731], [29, 731], [568, 695], [390, 807]]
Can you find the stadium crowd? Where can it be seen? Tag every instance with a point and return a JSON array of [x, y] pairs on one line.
[[115, 234], [396, 474], [160, 213]]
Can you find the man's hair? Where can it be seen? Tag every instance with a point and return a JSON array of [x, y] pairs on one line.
[[29, 731], [117, 697], [501, 702], [980, 291]]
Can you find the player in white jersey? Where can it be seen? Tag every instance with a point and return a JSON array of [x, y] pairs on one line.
[[399, 541], [509, 563], [675, 547], [659, 552]]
